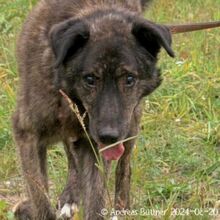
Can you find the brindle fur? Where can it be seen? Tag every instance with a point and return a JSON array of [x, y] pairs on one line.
[[63, 41]]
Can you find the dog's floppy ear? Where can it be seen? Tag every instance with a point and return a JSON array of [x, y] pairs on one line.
[[152, 37], [67, 38]]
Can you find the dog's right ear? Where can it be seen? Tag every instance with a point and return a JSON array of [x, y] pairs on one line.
[[67, 38]]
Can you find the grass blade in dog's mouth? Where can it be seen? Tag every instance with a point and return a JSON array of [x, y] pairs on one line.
[[113, 151]]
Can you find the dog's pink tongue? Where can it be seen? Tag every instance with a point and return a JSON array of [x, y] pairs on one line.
[[113, 153]]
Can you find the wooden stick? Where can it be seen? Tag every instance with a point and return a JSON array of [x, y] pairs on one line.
[[182, 28]]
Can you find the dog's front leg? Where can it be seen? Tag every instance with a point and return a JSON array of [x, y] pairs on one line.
[[33, 161], [69, 199], [93, 185]]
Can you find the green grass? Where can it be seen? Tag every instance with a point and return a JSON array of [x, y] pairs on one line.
[[177, 160]]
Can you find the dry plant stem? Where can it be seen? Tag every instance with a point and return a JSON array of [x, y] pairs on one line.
[[100, 163], [119, 142], [75, 109]]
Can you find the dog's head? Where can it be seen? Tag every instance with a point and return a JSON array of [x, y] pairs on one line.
[[107, 63]]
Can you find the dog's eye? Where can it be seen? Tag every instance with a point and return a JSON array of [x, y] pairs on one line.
[[130, 80], [90, 80]]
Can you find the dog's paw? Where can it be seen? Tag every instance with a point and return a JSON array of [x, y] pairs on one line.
[[114, 218], [23, 210], [67, 211]]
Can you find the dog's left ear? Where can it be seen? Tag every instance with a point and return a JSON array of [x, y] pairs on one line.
[[152, 37]]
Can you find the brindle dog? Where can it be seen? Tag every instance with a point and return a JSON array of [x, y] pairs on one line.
[[103, 55]]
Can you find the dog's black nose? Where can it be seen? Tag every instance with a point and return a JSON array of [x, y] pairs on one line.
[[108, 136]]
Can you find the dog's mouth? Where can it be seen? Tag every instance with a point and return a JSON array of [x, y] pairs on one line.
[[113, 152]]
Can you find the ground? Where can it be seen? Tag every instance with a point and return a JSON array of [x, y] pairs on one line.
[[176, 164]]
